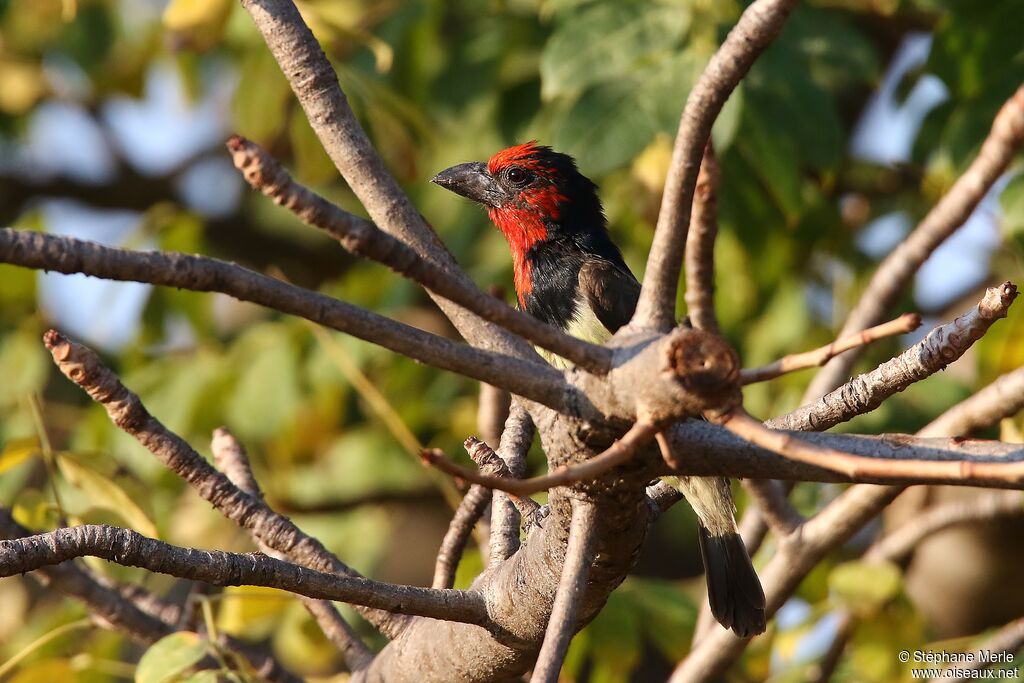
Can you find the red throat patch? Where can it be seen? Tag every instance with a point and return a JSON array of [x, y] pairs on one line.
[[523, 227], [523, 220]]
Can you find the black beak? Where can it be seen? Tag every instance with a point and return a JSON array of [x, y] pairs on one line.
[[472, 181]]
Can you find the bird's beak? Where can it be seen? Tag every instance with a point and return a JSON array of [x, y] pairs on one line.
[[472, 181]]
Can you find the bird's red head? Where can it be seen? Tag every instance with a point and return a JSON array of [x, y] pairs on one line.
[[532, 194]]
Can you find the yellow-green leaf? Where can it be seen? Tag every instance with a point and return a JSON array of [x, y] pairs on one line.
[[171, 657], [103, 492]]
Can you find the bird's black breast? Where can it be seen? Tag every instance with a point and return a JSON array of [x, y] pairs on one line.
[[558, 288]]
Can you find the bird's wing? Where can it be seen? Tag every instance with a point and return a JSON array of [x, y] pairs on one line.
[[610, 290]]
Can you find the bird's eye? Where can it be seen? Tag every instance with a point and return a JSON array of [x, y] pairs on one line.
[[517, 176]]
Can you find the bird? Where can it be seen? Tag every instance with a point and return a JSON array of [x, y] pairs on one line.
[[569, 273]]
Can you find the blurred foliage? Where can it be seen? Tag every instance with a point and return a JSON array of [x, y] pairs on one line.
[[438, 82]]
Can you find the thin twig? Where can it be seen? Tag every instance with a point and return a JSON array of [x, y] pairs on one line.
[[535, 380], [896, 271], [363, 238], [231, 458], [131, 549], [490, 462], [579, 556], [908, 322], [700, 245], [942, 346], [509, 514], [616, 454], [757, 28]]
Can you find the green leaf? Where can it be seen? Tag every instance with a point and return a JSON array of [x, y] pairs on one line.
[[606, 42], [261, 98], [667, 614], [171, 657], [103, 492], [612, 123], [864, 587], [23, 365]]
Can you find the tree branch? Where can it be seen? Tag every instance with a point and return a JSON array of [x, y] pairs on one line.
[[579, 556], [942, 346], [757, 28], [616, 454], [363, 238], [901, 542], [132, 610], [315, 85], [896, 271], [535, 380], [453, 544], [908, 322], [509, 514], [1003, 397], [800, 551], [218, 568], [84, 368], [700, 245], [230, 457]]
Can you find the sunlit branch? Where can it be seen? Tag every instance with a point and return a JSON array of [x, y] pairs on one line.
[[218, 568], [753, 33], [125, 410], [896, 271], [908, 322], [30, 249], [618, 453], [700, 245], [942, 346]]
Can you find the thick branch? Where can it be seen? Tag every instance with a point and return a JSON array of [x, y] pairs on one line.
[[869, 468], [756, 29], [908, 322], [534, 380], [363, 238], [230, 456], [942, 346], [896, 271], [218, 568], [700, 246], [579, 556]]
